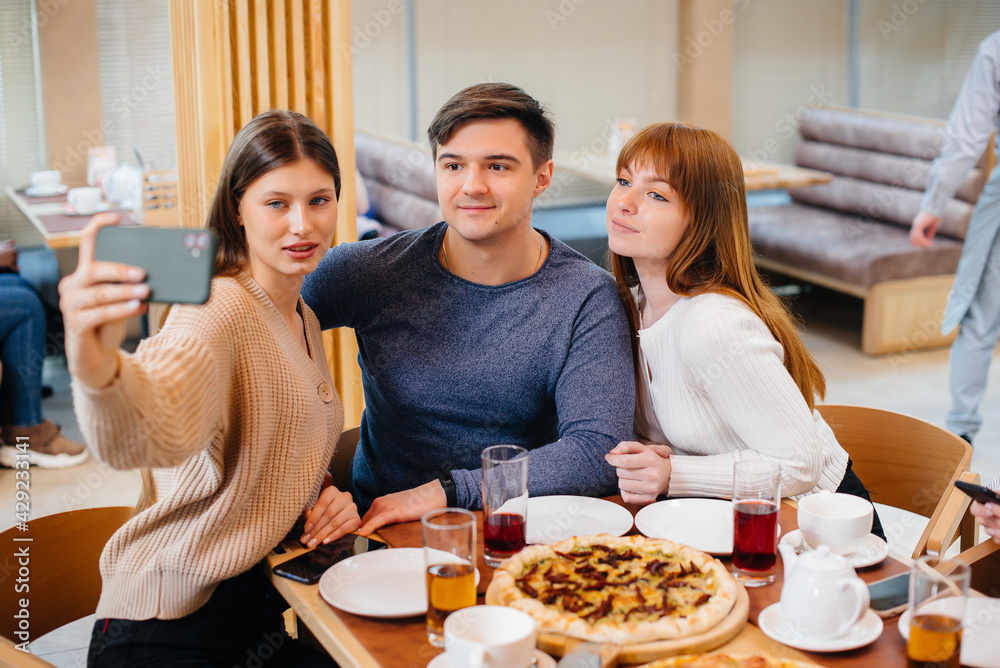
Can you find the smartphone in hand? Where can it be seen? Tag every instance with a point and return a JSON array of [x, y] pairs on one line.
[[978, 492], [310, 566], [178, 261]]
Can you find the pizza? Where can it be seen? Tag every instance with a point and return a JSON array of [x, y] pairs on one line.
[[724, 661], [622, 590]]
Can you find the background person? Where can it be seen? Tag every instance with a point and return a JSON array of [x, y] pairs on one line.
[[22, 354], [974, 302], [231, 403], [721, 374], [479, 330]]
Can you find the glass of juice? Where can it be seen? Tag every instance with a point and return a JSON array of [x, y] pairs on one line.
[[449, 555], [756, 496], [938, 592], [505, 501]]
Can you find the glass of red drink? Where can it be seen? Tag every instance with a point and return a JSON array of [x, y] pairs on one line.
[[505, 501], [756, 496]]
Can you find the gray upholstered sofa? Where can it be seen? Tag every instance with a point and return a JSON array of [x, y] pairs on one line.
[[400, 181], [852, 234]]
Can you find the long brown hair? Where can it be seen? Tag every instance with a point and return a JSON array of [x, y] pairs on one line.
[[715, 254], [272, 139]]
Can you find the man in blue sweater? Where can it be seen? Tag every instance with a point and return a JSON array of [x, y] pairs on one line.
[[479, 330]]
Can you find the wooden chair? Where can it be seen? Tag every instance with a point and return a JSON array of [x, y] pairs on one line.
[[62, 571], [909, 463], [342, 462]]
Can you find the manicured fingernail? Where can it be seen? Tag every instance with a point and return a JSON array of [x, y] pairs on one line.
[[313, 543], [136, 274], [133, 304], [327, 540], [309, 527], [306, 537], [140, 291]]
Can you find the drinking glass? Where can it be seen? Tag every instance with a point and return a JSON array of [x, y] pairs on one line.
[[505, 501], [938, 592], [449, 556], [756, 496]]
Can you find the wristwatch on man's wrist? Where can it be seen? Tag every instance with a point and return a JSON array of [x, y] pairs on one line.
[[448, 483]]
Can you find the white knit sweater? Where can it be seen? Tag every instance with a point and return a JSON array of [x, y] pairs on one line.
[[240, 423], [719, 393]]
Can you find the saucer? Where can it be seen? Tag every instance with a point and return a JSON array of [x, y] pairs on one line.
[[873, 551], [542, 660], [33, 191], [101, 208], [777, 628]]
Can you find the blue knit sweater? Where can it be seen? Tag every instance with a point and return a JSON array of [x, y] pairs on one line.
[[450, 367]]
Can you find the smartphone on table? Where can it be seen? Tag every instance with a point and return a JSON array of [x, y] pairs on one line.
[[978, 493], [310, 566], [889, 597], [178, 261]]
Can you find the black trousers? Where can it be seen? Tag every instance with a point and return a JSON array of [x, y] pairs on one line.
[[851, 484], [240, 626]]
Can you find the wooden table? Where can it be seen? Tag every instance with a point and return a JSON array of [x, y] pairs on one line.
[[757, 176], [361, 642], [46, 214]]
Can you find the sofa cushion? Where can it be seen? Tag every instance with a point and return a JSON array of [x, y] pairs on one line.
[[877, 201], [395, 164], [843, 246], [400, 209], [915, 139], [892, 170]]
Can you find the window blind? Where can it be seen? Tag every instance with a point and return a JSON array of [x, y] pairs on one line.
[[137, 93]]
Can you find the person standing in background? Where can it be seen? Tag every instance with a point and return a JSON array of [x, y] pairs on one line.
[[974, 302]]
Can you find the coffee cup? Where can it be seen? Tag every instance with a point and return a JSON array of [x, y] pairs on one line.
[[839, 521], [84, 200], [46, 180], [490, 636]]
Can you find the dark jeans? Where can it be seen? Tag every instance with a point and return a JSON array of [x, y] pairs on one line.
[[239, 627], [851, 484], [22, 350]]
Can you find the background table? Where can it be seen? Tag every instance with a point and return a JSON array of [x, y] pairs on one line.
[[46, 214], [362, 642]]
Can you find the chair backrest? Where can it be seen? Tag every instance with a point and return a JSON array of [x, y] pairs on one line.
[[342, 462], [904, 461], [60, 568]]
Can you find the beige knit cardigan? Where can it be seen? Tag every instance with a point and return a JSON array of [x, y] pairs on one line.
[[237, 421]]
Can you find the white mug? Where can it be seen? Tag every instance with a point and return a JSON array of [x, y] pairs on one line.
[[839, 521], [84, 200], [489, 636], [46, 180]]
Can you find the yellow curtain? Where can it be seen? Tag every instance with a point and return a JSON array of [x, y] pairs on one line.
[[234, 59]]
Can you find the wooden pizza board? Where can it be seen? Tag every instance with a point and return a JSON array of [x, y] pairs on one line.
[[720, 634]]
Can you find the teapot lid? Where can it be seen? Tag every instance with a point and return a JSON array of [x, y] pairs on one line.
[[822, 559]]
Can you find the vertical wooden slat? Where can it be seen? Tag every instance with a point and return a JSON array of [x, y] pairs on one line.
[[261, 60], [316, 76], [279, 55], [243, 80], [297, 53], [225, 49]]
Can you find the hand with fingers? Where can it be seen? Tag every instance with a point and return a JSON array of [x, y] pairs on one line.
[[923, 228], [643, 470], [95, 301], [405, 506], [333, 516], [989, 516]]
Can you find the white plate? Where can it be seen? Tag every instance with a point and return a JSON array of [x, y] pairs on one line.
[[704, 524], [775, 627], [542, 660], [384, 583], [873, 551], [555, 518], [101, 208], [32, 191], [979, 635]]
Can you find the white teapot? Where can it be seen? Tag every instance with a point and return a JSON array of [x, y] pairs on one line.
[[822, 596]]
